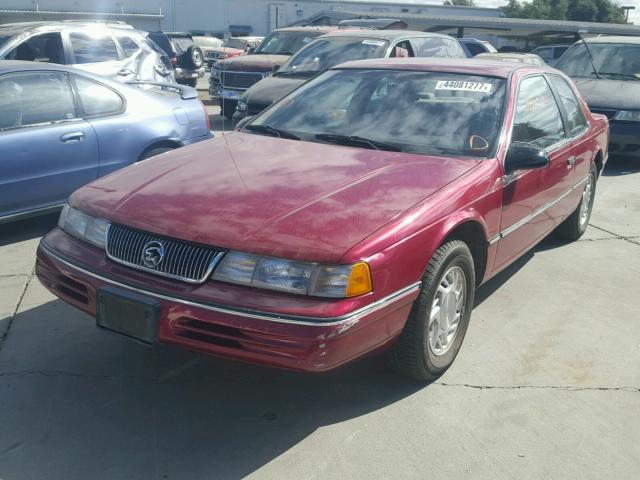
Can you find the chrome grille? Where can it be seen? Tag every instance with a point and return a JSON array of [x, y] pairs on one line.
[[240, 79], [183, 261]]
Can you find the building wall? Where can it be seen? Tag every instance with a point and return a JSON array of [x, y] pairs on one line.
[[214, 16]]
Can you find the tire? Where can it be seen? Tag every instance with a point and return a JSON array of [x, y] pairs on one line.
[[154, 152], [576, 224], [228, 108], [193, 57], [416, 353]]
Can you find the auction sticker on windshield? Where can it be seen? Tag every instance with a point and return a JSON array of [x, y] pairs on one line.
[[463, 86]]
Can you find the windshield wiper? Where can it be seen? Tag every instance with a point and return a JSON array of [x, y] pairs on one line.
[[620, 75], [356, 140], [297, 73], [271, 131]]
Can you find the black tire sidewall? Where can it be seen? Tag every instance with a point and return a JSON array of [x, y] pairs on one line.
[[459, 256], [594, 179]]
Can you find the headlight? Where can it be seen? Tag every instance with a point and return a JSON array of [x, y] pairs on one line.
[[304, 278], [84, 227], [242, 106], [627, 116]]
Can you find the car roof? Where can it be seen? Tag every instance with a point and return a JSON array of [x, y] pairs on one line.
[[15, 28], [468, 66], [614, 39], [307, 28], [390, 35]]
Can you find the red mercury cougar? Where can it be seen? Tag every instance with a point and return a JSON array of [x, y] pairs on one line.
[[357, 215]]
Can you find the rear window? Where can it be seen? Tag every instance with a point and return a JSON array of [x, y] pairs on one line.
[[161, 41]]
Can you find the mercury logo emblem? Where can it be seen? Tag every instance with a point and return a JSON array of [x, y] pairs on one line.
[[152, 254]]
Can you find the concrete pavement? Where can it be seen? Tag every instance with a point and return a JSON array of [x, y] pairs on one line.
[[547, 384]]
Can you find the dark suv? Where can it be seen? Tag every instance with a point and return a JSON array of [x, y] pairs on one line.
[[231, 77], [186, 57], [338, 47]]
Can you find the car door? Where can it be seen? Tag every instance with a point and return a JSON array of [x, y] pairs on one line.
[[577, 126], [47, 151], [118, 135], [97, 52], [535, 201]]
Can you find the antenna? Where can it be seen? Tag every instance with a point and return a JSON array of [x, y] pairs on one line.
[[581, 32]]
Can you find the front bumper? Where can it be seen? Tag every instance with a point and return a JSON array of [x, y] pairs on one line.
[[624, 139], [185, 74], [293, 341], [217, 92]]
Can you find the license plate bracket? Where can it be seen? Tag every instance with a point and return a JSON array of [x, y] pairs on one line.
[[128, 313]]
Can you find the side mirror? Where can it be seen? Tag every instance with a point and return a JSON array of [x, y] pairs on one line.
[[525, 156], [240, 125], [275, 68]]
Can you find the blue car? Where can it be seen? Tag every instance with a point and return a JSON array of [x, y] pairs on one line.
[[61, 128]]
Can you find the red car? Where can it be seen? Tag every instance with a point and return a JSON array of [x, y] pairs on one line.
[[357, 215]]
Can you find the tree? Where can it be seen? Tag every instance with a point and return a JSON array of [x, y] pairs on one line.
[[578, 10], [460, 3]]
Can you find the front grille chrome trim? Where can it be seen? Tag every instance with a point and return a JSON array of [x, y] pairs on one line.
[[125, 245]]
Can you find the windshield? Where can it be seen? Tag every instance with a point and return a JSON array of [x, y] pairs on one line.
[[235, 43], [285, 43], [324, 53], [617, 61], [410, 111]]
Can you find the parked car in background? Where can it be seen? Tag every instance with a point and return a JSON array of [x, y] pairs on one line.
[[528, 58], [186, 57], [611, 86], [230, 78], [473, 46], [341, 46], [110, 49], [358, 214], [207, 44], [550, 53], [232, 47], [62, 127]]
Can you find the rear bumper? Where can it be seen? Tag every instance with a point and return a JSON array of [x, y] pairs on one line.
[[624, 139], [311, 344]]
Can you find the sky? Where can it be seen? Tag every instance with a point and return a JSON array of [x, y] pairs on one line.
[[634, 15]]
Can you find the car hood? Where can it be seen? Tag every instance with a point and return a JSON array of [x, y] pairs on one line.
[[252, 63], [615, 94], [270, 90], [285, 198]]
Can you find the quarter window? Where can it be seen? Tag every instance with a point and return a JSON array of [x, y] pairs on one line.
[[575, 117], [35, 98], [129, 47], [96, 99], [92, 49], [537, 117]]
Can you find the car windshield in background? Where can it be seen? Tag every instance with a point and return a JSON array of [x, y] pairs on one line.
[[235, 43], [410, 111], [284, 43], [614, 61], [325, 53]]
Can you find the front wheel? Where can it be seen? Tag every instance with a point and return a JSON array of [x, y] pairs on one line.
[[576, 224], [438, 321]]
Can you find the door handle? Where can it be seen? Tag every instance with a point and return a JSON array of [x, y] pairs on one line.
[[571, 161], [73, 137]]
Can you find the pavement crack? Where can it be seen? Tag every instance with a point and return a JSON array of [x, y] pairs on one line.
[[567, 388], [5, 334], [631, 238]]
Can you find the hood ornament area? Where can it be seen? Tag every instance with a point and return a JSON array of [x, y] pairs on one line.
[[152, 254]]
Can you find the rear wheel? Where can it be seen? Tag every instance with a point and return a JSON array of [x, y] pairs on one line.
[[440, 315], [194, 57], [228, 108], [576, 224], [154, 152]]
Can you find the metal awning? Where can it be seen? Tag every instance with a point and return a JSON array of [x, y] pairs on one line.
[[512, 27], [122, 14]]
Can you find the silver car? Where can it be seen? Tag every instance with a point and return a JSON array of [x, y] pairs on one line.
[[110, 49]]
